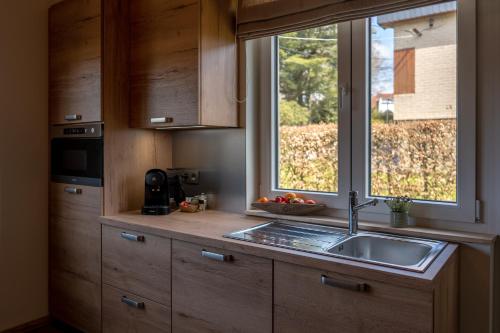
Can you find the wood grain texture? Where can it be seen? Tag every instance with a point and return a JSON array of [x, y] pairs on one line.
[[75, 256], [219, 56], [142, 268], [128, 153], [164, 61], [303, 304], [446, 302], [209, 227], [75, 231], [75, 60], [214, 296], [118, 317], [75, 301]]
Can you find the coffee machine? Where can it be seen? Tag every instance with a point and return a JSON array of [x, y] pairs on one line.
[[156, 195]]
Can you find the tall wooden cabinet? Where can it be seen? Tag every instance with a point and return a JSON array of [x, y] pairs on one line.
[[183, 63], [75, 61]]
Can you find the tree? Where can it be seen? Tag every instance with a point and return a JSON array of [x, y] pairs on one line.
[[308, 74]]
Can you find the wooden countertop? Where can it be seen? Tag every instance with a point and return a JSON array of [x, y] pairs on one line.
[[209, 227]]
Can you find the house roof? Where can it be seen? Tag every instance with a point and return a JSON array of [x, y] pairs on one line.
[[389, 19]]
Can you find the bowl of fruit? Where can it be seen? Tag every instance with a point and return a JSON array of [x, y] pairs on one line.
[[289, 204]]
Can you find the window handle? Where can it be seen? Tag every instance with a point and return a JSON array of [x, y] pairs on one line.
[[343, 94]]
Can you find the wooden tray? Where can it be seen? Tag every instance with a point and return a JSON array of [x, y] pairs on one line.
[[288, 208]]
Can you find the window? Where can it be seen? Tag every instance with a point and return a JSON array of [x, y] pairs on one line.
[[384, 106]]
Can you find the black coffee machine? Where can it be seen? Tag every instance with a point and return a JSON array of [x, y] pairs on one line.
[[156, 196]]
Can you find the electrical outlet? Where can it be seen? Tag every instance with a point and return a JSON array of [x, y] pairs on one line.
[[191, 177]]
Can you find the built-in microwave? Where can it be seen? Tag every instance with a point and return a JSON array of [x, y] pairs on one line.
[[77, 154]]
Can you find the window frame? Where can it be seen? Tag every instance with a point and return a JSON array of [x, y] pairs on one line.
[[354, 84], [269, 122], [464, 210]]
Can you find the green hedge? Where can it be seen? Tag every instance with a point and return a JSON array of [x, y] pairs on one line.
[[417, 159]]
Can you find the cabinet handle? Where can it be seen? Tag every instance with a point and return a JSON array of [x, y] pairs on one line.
[[132, 237], [73, 190], [70, 117], [216, 256], [132, 303], [354, 286], [162, 120]]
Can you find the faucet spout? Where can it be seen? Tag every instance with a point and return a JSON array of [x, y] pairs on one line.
[[354, 207]]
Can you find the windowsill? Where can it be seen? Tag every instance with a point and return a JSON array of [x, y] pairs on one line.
[[438, 234]]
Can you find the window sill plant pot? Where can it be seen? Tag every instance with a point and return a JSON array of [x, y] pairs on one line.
[[400, 207]]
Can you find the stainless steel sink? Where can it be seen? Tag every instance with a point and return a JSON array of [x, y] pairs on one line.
[[401, 252], [407, 253]]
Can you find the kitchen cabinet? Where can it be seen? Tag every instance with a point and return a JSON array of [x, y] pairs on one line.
[[136, 262], [75, 61], [123, 311], [75, 255], [183, 67], [216, 290], [311, 300]]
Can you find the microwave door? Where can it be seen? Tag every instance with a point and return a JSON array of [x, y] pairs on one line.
[[77, 161]]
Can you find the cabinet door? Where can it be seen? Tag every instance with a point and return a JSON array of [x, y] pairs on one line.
[[123, 311], [137, 262], [309, 300], [75, 255], [214, 290], [75, 61], [164, 63]]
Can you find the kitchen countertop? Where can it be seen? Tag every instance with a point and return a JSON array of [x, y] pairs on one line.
[[208, 228]]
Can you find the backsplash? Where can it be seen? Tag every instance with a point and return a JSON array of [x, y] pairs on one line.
[[219, 155]]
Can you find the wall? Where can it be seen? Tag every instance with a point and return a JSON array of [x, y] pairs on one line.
[[23, 161], [219, 154]]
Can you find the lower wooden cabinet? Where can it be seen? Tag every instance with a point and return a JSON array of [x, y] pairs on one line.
[[75, 301], [75, 255], [310, 300], [123, 311], [214, 290]]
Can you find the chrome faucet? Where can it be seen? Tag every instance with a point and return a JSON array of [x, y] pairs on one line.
[[353, 210]]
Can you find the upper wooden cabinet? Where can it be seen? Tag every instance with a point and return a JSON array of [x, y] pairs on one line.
[[75, 61], [183, 60]]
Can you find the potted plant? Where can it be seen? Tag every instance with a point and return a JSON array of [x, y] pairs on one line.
[[400, 206]]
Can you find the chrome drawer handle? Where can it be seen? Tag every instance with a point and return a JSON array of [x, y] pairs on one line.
[[73, 190], [216, 256], [132, 303], [70, 117], [132, 237], [162, 120], [354, 286]]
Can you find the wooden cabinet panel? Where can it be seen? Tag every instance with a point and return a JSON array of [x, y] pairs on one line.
[[139, 315], [140, 266], [75, 255], [164, 62], [75, 61], [220, 296], [304, 304], [75, 301], [75, 232]]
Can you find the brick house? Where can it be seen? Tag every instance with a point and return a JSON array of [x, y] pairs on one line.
[[424, 61]]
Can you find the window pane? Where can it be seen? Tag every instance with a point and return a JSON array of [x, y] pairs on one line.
[[413, 103], [307, 147]]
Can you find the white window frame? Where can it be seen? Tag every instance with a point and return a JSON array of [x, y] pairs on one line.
[[464, 210], [269, 122], [353, 124]]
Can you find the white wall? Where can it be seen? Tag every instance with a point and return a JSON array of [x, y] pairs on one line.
[[23, 161]]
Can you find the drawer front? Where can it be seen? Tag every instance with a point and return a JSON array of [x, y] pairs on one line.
[[75, 232], [75, 301], [137, 262], [215, 290], [309, 300], [126, 312]]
